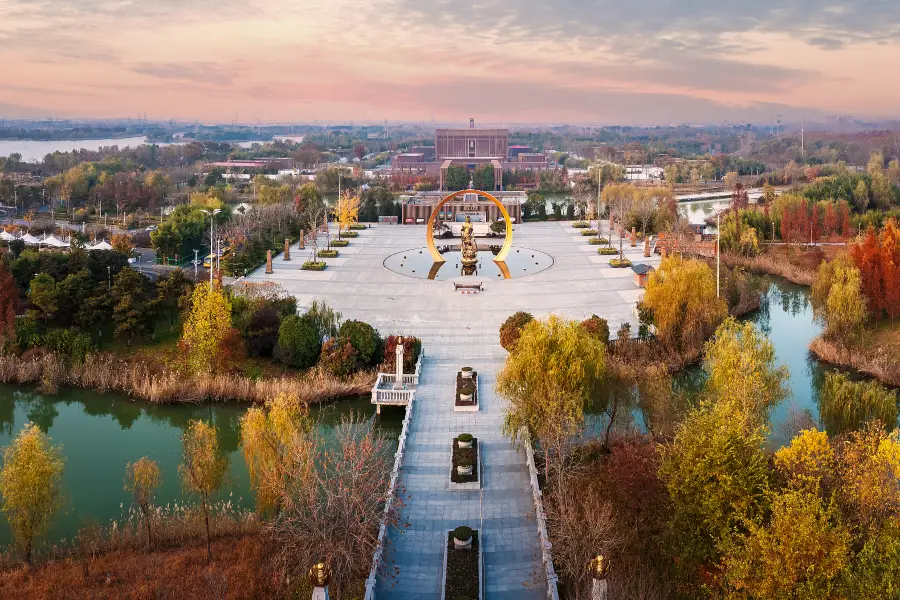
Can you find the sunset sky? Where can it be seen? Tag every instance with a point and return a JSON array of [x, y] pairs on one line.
[[501, 61]]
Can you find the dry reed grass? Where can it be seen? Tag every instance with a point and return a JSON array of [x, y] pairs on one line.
[[771, 265], [871, 359], [104, 372]]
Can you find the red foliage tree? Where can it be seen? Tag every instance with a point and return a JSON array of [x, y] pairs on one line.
[[9, 302], [890, 267], [815, 222], [830, 221], [867, 257], [844, 211]]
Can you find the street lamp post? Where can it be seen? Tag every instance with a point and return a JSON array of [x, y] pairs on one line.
[[196, 261], [212, 220]]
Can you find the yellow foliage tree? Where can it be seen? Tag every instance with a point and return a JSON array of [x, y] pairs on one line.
[[740, 362], [799, 554], [681, 298], [346, 213], [207, 328], [809, 462], [142, 478], [870, 476], [31, 485], [547, 377], [202, 468], [273, 438], [122, 243]]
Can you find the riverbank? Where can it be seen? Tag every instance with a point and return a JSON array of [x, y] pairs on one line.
[[796, 264], [878, 356], [104, 372]]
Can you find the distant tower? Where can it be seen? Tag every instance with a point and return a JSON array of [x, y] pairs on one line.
[[471, 123]]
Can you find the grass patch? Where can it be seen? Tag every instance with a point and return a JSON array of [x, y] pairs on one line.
[[462, 570], [607, 251], [464, 456]]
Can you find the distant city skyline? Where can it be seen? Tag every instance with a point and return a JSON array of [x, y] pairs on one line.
[[504, 62]]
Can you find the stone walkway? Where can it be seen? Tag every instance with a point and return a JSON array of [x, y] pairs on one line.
[[462, 330]]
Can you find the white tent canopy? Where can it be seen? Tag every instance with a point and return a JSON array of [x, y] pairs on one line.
[[30, 240], [7, 236], [101, 245], [54, 242]]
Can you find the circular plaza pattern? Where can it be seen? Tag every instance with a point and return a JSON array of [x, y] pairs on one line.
[[418, 263]]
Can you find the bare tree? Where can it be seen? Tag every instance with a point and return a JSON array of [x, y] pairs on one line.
[[332, 503]]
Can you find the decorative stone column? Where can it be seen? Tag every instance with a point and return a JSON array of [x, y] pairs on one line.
[[398, 383], [302, 240], [633, 237], [320, 576], [287, 249], [269, 270], [647, 247]]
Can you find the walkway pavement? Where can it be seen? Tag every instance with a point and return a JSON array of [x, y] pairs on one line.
[[462, 330]]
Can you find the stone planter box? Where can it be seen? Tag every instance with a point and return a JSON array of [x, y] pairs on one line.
[[467, 567], [466, 402], [465, 482]]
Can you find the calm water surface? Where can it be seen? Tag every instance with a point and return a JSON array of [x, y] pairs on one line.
[[786, 318], [101, 433]]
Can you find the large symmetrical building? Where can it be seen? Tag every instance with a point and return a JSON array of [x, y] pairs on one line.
[[469, 148], [481, 211]]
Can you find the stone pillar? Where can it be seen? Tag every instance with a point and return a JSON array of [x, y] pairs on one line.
[[647, 247], [633, 237], [302, 240], [398, 384], [598, 591], [269, 262], [321, 593], [287, 249]]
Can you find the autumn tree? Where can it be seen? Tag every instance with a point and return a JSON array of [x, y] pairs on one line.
[[548, 375], [681, 301], [346, 213], [799, 553], [333, 503], [202, 467], [30, 485], [9, 303], [846, 405], [717, 476], [207, 328], [142, 478], [271, 438], [43, 294], [740, 363], [122, 243]]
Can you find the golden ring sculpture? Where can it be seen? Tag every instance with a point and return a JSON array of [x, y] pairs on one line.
[[507, 244]]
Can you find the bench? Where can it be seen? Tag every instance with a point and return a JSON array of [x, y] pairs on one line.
[[468, 286]]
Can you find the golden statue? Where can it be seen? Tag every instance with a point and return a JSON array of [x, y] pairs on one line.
[[469, 247], [320, 574]]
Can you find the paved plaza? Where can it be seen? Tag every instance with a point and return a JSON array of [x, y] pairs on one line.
[[462, 330]]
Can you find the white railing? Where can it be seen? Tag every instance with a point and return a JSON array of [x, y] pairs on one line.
[[389, 501], [541, 518], [383, 392]]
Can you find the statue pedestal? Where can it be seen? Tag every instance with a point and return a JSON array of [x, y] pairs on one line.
[[598, 591], [321, 593]]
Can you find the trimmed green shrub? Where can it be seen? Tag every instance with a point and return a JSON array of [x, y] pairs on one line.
[[595, 241], [364, 339], [462, 533], [350, 234], [464, 438], [499, 226], [328, 253], [619, 263], [340, 243], [512, 329], [587, 232], [580, 225], [339, 357], [313, 266], [298, 342], [358, 226], [607, 251]]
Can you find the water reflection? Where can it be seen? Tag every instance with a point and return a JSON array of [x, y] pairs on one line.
[[101, 433]]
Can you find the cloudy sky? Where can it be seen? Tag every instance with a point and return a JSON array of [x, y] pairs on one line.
[[501, 61]]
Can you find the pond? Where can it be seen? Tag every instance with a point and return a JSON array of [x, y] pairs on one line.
[[786, 317], [101, 433]]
